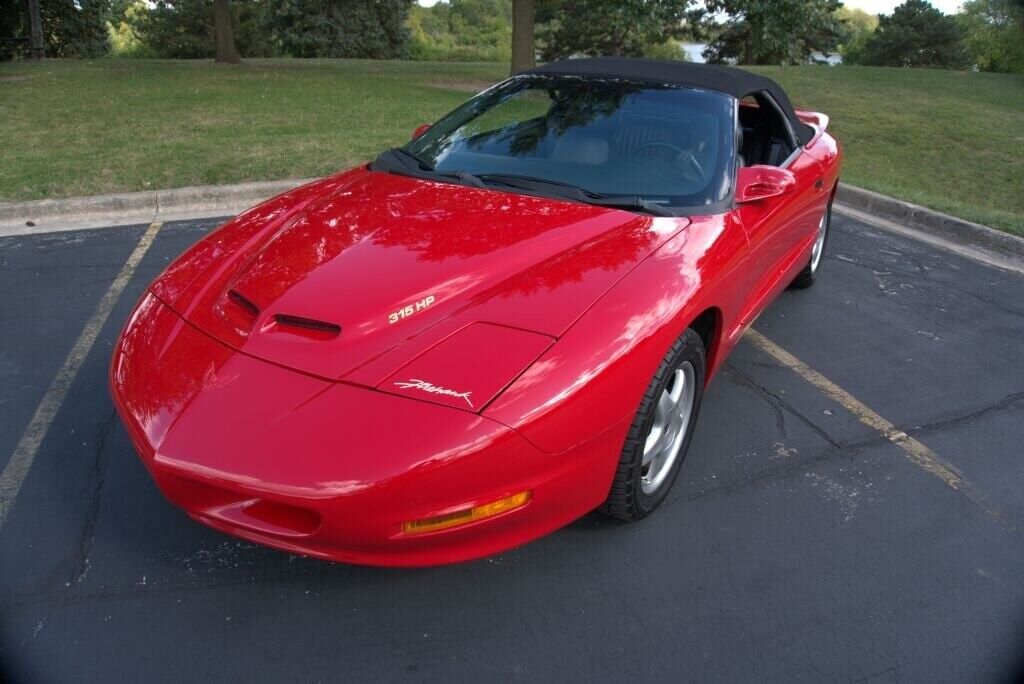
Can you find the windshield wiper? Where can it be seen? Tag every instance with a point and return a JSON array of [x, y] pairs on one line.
[[464, 176], [575, 192], [403, 161], [403, 158], [530, 182], [631, 202]]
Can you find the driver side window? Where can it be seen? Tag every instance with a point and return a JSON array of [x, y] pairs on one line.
[[765, 137]]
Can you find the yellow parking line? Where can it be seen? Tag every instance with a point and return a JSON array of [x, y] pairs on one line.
[[24, 455], [918, 453]]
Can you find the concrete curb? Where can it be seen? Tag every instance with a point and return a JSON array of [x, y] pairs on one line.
[[932, 222], [226, 200], [136, 207]]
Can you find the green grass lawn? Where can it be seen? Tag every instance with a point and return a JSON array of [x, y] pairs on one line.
[[949, 140]]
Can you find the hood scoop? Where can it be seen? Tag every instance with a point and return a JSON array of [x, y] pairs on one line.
[[306, 327], [243, 313], [239, 311], [244, 303]]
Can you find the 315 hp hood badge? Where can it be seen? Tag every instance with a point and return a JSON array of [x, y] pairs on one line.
[[431, 388], [411, 309]]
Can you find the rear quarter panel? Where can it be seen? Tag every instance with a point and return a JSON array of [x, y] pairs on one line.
[[823, 147], [829, 154]]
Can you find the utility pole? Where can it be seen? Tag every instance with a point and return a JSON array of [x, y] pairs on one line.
[[37, 48]]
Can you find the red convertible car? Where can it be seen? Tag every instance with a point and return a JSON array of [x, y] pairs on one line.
[[487, 333]]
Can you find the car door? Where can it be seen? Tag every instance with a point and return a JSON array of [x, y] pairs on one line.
[[780, 229]]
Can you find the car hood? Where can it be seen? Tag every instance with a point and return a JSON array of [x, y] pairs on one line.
[[353, 276]]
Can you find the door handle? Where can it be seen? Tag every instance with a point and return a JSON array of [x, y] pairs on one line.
[[819, 185]]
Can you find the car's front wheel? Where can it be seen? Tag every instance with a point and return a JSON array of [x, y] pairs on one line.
[[661, 432]]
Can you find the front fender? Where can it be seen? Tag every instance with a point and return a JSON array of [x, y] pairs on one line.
[[592, 378]]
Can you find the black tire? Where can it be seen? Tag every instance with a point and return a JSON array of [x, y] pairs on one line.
[[811, 271], [627, 499]]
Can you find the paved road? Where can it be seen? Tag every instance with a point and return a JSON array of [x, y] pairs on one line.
[[799, 544]]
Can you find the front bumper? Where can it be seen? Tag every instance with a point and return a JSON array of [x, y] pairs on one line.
[[328, 469]]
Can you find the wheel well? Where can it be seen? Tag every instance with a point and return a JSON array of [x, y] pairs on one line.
[[706, 325]]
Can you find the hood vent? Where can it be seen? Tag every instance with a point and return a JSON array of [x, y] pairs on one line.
[[241, 312], [310, 326], [240, 299]]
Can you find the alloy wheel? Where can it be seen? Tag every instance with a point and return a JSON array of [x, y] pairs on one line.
[[669, 428], [819, 242]]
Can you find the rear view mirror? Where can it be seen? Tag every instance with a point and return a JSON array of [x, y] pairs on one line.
[[420, 130], [755, 183]]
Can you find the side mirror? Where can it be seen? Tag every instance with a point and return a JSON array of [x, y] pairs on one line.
[[754, 183], [420, 130]]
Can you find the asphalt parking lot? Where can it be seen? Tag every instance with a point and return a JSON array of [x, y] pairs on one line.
[[804, 541]]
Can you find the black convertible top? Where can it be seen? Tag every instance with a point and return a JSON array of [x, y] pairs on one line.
[[723, 79]]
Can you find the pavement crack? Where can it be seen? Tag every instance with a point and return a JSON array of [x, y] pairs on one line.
[[780, 405], [744, 482], [88, 536], [1003, 404], [933, 277], [773, 401]]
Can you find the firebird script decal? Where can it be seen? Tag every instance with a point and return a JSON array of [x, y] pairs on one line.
[[414, 308], [434, 389]]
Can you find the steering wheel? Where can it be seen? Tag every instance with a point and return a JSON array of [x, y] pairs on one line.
[[680, 153]]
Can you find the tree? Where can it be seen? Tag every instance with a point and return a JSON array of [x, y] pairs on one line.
[[916, 35], [671, 49], [858, 27], [773, 31], [462, 30], [372, 29], [182, 29], [185, 29], [609, 27], [57, 28], [994, 34], [522, 36], [37, 49], [74, 28], [123, 29], [226, 52]]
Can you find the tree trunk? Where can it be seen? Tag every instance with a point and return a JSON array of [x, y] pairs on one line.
[[522, 36], [37, 48], [226, 51]]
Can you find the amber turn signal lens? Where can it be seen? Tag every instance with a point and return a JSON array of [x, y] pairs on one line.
[[467, 515]]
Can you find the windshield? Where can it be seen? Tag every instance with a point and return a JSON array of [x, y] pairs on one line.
[[666, 145]]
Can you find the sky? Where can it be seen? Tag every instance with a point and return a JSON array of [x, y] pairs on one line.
[[870, 6]]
